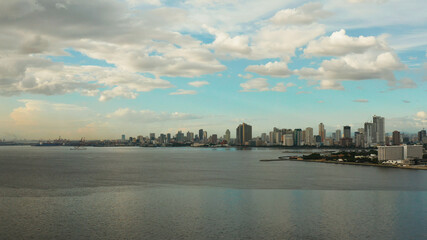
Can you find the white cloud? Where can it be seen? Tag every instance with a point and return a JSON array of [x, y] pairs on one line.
[[274, 69], [198, 83], [422, 115], [361, 100], [306, 14], [262, 85], [246, 76], [117, 92], [147, 116], [339, 44], [183, 92], [255, 85]]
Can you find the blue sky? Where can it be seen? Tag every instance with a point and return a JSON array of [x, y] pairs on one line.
[[97, 69]]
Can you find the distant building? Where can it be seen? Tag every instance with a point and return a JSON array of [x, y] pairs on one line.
[[322, 132], [214, 139], [288, 139], [396, 138], [297, 137], [378, 130], [368, 133], [180, 137], [152, 136], [243, 134], [400, 153], [227, 136], [338, 136], [421, 135], [123, 138], [200, 134], [347, 132], [309, 138], [205, 136]]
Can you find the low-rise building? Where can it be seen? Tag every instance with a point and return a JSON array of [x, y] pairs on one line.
[[399, 153]]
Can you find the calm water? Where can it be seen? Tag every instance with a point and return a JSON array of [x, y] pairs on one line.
[[188, 193]]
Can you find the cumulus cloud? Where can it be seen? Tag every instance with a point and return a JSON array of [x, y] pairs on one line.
[[274, 69], [281, 87], [198, 83], [339, 44], [246, 76], [306, 14], [361, 59], [183, 92]]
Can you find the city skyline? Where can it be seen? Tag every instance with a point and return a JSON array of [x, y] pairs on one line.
[[167, 66]]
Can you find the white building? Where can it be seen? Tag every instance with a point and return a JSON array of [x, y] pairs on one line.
[[399, 153]]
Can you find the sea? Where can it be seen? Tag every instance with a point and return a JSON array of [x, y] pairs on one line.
[[202, 193]]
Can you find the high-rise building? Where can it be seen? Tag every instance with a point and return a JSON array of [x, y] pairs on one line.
[[288, 139], [180, 137], [338, 136], [152, 136], [264, 137], [190, 136], [322, 132], [396, 138], [421, 135], [214, 138], [243, 134], [227, 136], [378, 130], [297, 137], [309, 138], [347, 132], [205, 136], [123, 137], [168, 137], [368, 133], [200, 134]]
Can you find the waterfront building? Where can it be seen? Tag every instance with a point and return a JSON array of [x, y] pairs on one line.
[[338, 136], [190, 136], [168, 137], [297, 137], [162, 138], [421, 135], [288, 139], [200, 134], [214, 139], [123, 138], [400, 153], [243, 134], [180, 137], [359, 140], [205, 136], [347, 132], [378, 130], [396, 138], [264, 137], [309, 138], [152, 136], [368, 133], [322, 132], [227, 136]]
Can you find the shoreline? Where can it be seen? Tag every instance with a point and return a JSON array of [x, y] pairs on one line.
[[413, 167]]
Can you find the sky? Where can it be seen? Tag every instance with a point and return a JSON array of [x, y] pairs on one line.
[[101, 68]]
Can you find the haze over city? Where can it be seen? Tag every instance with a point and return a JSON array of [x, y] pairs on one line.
[[99, 69]]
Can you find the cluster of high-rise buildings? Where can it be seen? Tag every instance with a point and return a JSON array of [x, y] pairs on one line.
[[370, 135]]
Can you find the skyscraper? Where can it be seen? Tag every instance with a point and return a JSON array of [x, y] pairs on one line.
[[421, 134], [322, 132], [152, 136], [347, 132], [378, 130], [214, 138], [338, 136], [309, 138], [396, 138], [227, 136], [200, 134], [123, 137], [368, 133], [243, 134], [297, 137]]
